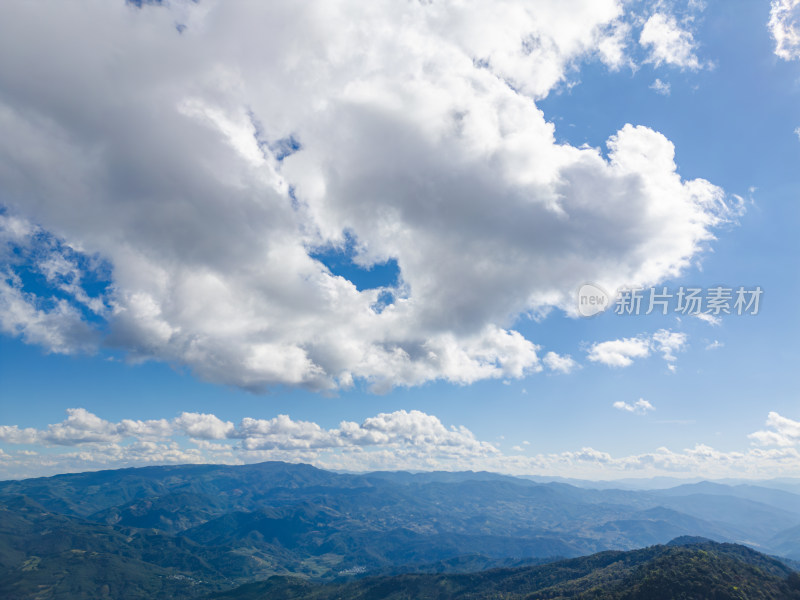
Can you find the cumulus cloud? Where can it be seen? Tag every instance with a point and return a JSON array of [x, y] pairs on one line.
[[619, 353], [611, 48], [12, 434], [784, 25], [409, 432], [622, 352], [411, 429], [84, 427], [397, 440], [781, 431], [204, 426], [208, 184], [640, 407], [283, 432], [559, 363], [668, 42]]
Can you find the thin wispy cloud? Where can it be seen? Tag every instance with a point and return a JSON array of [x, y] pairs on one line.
[[660, 87], [709, 318], [784, 25], [640, 407]]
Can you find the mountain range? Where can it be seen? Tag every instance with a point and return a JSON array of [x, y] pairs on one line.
[[190, 530]]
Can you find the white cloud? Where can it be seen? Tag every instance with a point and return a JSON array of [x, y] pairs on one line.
[[561, 363], [782, 432], [784, 25], [282, 432], [80, 427], [204, 426], [714, 345], [58, 328], [660, 87], [668, 42], [668, 343], [611, 48], [399, 440], [52, 322], [640, 407], [83, 427], [413, 429], [708, 318], [12, 434], [65, 275], [13, 232], [619, 353], [419, 141], [398, 429], [622, 352]]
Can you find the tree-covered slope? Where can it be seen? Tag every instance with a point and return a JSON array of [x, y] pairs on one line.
[[699, 571]]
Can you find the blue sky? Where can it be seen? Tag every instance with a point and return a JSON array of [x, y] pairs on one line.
[[402, 286]]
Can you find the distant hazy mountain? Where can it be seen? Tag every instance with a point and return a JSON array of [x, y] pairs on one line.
[[788, 484], [187, 530], [773, 497], [787, 543]]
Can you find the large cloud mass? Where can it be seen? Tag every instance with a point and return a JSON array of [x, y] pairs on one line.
[[204, 154]]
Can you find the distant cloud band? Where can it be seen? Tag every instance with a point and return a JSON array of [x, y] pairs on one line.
[[397, 440]]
